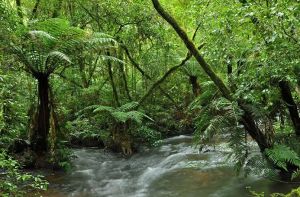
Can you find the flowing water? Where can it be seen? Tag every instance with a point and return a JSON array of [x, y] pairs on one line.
[[175, 169]]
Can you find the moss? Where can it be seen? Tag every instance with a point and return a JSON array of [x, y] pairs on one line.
[[293, 193]]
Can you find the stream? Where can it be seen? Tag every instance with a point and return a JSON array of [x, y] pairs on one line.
[[175, 169]]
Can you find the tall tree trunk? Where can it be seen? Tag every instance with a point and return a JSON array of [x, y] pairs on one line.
[[113, 85], [287, 97], [125, 81], [123, 84], [247, 119], [39, 139], [85, 82]]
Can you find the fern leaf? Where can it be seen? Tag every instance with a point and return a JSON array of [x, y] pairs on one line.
[[59, 55], [282, 155], [40, 34], [101, 108], [128, 106]]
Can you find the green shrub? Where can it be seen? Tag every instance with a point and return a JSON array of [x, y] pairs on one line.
[[14, 182]]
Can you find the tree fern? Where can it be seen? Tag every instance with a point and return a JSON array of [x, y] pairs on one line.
[[121, 114], [135, 116], [58, 55], [40, 34]]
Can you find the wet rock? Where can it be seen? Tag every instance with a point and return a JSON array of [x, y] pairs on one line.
[[19, 146], [127, 167], [27, 158], [206, 149], [89, 141]]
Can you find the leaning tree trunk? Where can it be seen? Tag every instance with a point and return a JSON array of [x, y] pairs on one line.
[[247, 119], [39, 138], [287, 97]]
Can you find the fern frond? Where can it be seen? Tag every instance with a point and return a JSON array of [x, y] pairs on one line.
[[97, 40], [208, 94], [128, 106], [59, 55], [40, 34], [101, 108], [295, 174], [101, 35], [282, 155], [125, 116]]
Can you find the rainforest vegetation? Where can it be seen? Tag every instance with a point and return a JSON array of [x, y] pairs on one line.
[[125, 75]]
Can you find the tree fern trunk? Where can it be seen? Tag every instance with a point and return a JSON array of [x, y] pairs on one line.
[[121, 139], [39, 139]]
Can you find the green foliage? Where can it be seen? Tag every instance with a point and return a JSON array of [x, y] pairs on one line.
[[14, 182], [38, 52], [62, 157], [282, 156], [122, 114], [82, 128], [221, 118], [13, 117], [8, 20], [150, 136], [71, 47], [125, 114], [293, 193]]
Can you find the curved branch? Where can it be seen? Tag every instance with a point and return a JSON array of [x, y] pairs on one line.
[[166, 75], [138, 67], [193, 50]]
